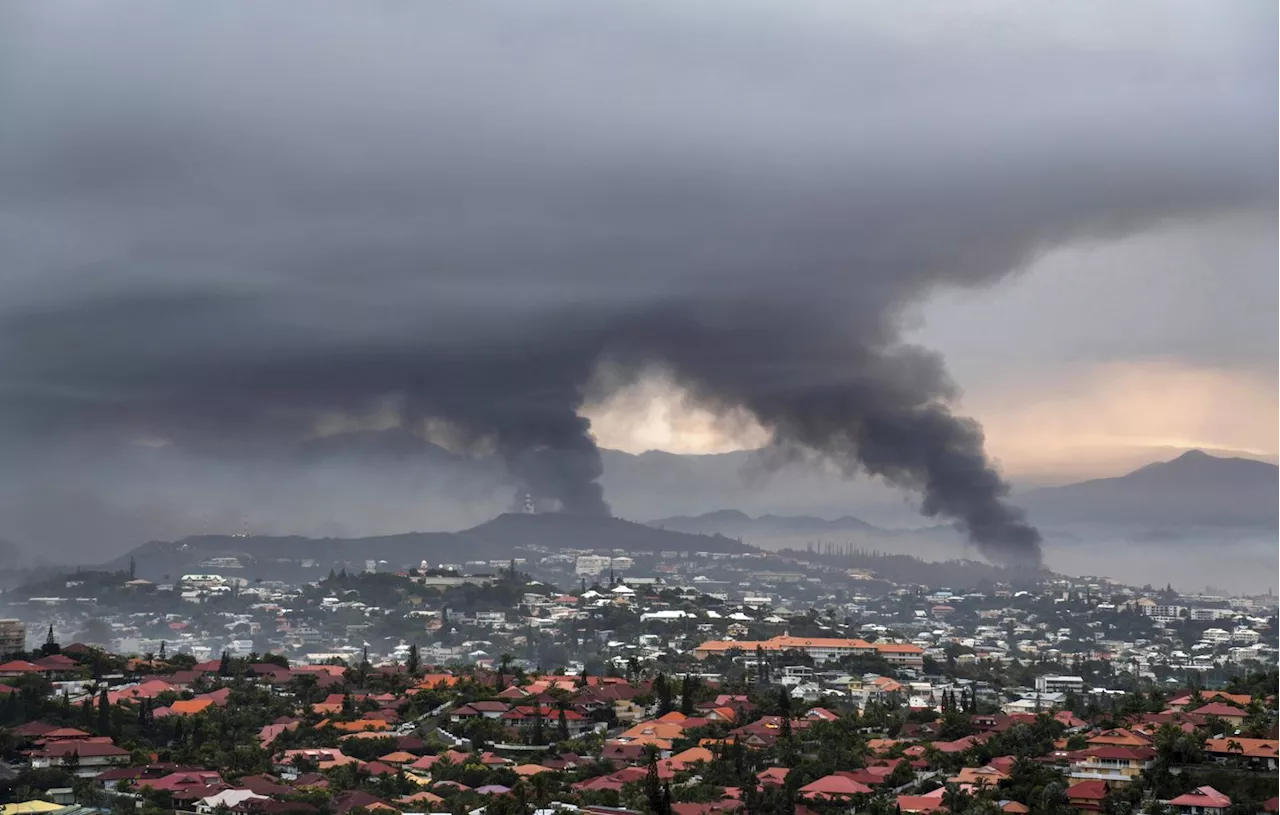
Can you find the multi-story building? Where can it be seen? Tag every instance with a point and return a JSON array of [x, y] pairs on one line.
[[13, 637], [819, 649], [1210, 614], [1216, 636], [1115, 765], [590, 565], [1053, 683]]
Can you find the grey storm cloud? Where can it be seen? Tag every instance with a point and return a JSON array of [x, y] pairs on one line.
[[221, 220]]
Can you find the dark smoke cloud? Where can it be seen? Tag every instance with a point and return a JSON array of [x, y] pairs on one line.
[[221, 222]]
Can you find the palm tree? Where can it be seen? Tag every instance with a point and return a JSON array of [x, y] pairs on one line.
[[504, 666], [1234, 746], [954, 798]]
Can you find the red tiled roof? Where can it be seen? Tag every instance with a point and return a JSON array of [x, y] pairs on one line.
[[84, 749], [1087, 790], [834, 785], [19, 666], [1202, 797], [1220, 710]]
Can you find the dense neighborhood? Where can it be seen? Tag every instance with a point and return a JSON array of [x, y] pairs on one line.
[[605, 682]]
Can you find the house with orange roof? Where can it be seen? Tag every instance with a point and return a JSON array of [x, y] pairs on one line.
[[1256, 753], [1188, 699], [833, 787], [1116, 765], [819, 649], [720, 714], [325, 758], [332, 704], [419, 798], [880, 746], [149, 689], [358, 726], [646, 732], [189, 707], [526, 770], [1118, 737], [693, 755], [919, 804]]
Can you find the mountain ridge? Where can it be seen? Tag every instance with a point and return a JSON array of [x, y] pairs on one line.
[[1193, 489], [736, 523]]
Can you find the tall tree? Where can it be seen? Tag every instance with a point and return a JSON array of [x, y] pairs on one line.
[[538, 736], [224, 666], [504, 667], [786, 743], [104, 714], [50, 646], [662, 689], [687, 690], [652, 787], [414, 662]]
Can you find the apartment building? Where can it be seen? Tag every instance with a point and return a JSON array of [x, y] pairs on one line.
[[13, 637]]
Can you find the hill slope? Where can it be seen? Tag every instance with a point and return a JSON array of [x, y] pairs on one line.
[[557, 531], [495, 540], [737, 524], [1194, 489]]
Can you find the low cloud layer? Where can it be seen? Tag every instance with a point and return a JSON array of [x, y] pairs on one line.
[[224, 223]]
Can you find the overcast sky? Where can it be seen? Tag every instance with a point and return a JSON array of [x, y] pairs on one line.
[[837, 226]]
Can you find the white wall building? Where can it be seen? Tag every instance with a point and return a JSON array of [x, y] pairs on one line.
[[591, 565], [1053, 683]]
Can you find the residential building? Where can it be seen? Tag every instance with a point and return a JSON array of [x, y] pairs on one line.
[[591, 565], [85, 759], [13, 637], [819, 649], [1053, 683], [1115, 765], [1201, 801]]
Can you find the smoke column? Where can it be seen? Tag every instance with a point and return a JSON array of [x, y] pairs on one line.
[[222, 224]]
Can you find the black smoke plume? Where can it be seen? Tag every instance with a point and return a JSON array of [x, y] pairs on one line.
[[222, 224]]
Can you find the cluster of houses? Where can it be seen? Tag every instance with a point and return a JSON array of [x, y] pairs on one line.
[[629, 729]]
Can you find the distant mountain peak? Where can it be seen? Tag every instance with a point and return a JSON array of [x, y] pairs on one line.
[[1194, 489]]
